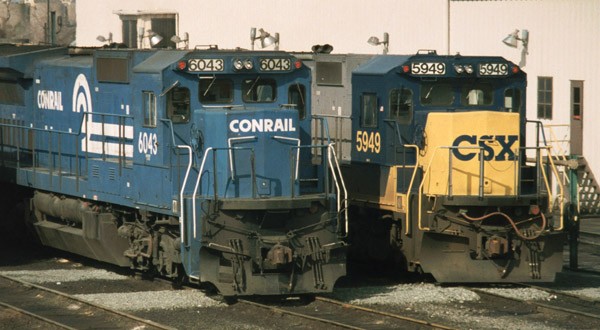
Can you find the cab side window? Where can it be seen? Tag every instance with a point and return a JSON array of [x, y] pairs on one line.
[[149, 108], [297, 97], [512, 100], [401, 105], [178, 105], [368, 117]]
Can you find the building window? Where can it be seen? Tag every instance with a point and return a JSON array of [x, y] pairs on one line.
[[138, 28], [130, 36], [545, 97], [164, 27], [149, 109], [368, 110]]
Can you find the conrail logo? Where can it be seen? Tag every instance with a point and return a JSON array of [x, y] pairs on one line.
[[262, 125], [485, 141]]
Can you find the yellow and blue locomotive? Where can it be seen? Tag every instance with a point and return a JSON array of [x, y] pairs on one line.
[[442, 180], [188, 164]]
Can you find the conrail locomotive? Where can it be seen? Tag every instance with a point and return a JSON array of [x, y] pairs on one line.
[[440, 178], [191, 164]]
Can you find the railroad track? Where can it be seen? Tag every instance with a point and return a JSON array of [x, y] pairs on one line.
[[60, 310], [589, 237], [559, 304], [334, 313]]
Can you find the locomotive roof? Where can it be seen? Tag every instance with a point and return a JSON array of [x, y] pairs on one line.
[[159, 61], [19, 60], [381, 64]]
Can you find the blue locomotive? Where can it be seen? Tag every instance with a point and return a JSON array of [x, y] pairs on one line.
[[189, 164], [443, 181]]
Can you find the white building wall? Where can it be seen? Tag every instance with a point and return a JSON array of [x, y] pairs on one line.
[[301, 24], [563, 44], [563, 35]]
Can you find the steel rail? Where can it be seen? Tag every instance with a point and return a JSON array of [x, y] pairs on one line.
[[91, 304]]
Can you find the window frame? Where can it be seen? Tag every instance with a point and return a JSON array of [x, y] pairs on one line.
[[397, 115], [545, 94], [173, 112], [216, 82], [253, 84], [372, 110], [300, 90], [149, 108], [516, 95]]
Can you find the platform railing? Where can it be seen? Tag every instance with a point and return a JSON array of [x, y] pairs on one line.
[[321, 133], [55, 157]]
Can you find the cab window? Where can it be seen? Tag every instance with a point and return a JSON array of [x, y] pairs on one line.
[[178, 105], [368, 110], [401, 106], [477, 94], [215, 90], [297, 97], [149, 109], [436, 94], [259, 90], [512, 100]]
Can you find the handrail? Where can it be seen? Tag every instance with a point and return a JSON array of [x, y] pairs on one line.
[[547, 183], [230, 141], [196, 188], [297, 152], [185, 178], [427, 171], [201, 173], [408, 192], [333, 169], [559, 143]]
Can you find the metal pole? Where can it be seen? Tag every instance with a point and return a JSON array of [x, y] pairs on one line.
[[448, 27], [573, 219]]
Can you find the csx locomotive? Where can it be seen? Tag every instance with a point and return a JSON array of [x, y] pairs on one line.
[[442, 180], [190, 164]]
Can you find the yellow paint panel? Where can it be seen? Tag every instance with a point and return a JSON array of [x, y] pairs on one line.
[[496, 132]]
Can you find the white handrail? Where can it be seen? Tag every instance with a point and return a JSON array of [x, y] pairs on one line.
[[297, 151], [197, 185], [183, 184], [229, 143], [330, 151]]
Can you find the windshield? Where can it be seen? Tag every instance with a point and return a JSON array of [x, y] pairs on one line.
[[438, 93]]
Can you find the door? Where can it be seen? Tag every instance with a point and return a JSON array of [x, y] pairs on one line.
[[576, 117]]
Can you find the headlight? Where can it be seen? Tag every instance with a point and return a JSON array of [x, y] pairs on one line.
[[238, 64]]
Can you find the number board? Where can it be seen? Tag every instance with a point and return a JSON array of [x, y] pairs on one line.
[[428, 68], [275, 64], [205, 65], [493, 69]]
